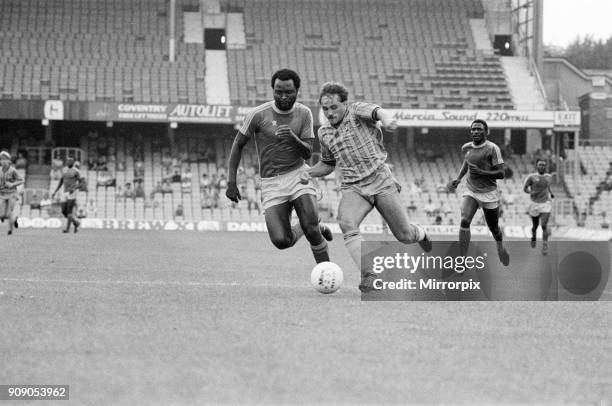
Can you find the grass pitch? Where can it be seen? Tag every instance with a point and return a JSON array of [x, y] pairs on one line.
[[159, 318]]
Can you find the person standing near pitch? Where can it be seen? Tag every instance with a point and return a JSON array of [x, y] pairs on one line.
[[484, 165], [9, 180], [353, 140], [538, 186], [70, 179], [283, 133]]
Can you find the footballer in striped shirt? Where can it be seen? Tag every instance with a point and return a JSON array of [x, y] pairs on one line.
[[9, 180], [352, 140]]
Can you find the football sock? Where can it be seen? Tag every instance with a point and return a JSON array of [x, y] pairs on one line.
[[464, 240], [320, 252], [352, 241]]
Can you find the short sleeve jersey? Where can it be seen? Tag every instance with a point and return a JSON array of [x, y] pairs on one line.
[[540, 185], [356, 144], [485, 156], [9, 176], [71, 177], [278, 155]]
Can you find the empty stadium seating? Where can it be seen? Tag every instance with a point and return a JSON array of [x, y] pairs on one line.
[[410, 54], [106, 50]]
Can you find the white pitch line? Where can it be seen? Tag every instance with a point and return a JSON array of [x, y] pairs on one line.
[[152, 283]]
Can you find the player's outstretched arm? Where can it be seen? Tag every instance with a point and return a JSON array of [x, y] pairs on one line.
[[387, 119], [319, 170], [232, 192]]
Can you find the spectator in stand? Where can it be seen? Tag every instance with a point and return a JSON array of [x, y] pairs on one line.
[[414, 189], [112, 164], [106, 178], [186, 179], [444, 210], [119, 195], [157, 189], [139, 170], [176, 175], [92, 210], [214, 182], [166, 162], [101, 165], [166, 187], [129, 192], [138, 189], [35, 201], [430, 208], [251, 196], [441, 186], [176, 163], [91, 163], [241, 177], [21, 162], [438, 220], [411, 207], [222, 186], [222, 183], [179, 212], [206, 199], [52, 207], [205, 183]]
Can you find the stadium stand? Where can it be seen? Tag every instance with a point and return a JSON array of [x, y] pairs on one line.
[[592, 190], [107, 50], [409, 54], [404, 54]]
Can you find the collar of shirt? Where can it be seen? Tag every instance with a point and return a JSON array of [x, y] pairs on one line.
[[279, 111]]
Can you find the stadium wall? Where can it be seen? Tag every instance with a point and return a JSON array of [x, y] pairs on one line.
[[442, 232], [597, 116], [565, 83]]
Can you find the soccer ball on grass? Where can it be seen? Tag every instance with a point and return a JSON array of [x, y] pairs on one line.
[[326, 277]]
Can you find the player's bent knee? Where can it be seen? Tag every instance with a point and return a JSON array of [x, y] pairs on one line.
[[465, 223], [281, 243]]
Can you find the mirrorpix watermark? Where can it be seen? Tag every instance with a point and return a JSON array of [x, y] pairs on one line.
[[426, 263], [565, 270]]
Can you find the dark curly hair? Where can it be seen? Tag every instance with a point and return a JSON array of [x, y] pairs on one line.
[[286, 74]]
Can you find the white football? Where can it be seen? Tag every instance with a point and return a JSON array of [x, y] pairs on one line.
[[326, 277]]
